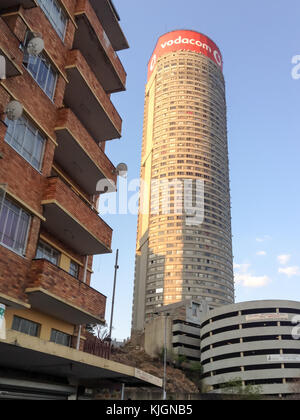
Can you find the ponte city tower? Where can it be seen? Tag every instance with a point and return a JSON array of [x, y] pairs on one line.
[[184, 165]]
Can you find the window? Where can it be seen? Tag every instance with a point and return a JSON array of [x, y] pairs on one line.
[[43, 72], [26, 139], [74, 269], [195, 308], [25, 326], [56, 16], [59, 337], [14, 226], [47, 252]]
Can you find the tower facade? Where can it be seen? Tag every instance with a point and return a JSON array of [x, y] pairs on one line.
[[184, 244]]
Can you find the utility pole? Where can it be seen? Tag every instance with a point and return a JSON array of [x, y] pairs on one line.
[[114, 293]]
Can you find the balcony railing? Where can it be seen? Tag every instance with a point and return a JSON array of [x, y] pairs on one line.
[[92, 41], [73, 222], [54, 291]]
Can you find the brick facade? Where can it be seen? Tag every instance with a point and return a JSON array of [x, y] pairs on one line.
[[76, 60], [84, 8], [57, 191], [31, 189], [68, 120], [47, 276]]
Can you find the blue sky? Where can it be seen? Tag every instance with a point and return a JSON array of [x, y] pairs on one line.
[[257, 40]]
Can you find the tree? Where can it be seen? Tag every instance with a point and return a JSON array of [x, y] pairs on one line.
[[98, 330], [295, 389], [179, 360], [194, 372], [247, 392], [170, 355]]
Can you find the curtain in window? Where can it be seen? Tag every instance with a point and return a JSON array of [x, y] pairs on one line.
[[56, 16], [45, 251], [26, 140], [14, 224], [42, 72]]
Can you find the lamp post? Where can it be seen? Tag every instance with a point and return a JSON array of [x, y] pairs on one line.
[[114, 293]]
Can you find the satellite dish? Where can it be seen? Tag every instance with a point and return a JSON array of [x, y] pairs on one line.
[[14, 110], [35, 46], [122, 170]]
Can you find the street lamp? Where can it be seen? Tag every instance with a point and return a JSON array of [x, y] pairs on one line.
[[114, 293]]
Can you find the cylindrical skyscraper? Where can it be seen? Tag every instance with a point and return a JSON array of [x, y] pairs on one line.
[[180, 254]]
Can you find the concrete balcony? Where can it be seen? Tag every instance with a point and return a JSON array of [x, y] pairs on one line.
[[12, 302], [92, 41], [40, 357], [87, 98], [186, 329], [8, 4], [79, 155], [72, 221], [182, 339], [53, 291], [185, 351], [109, 19]]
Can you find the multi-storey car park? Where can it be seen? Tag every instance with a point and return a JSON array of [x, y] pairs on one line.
[[255, 342], [184, 138]]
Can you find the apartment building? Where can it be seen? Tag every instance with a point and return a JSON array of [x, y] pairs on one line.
[[184, 242], [52, 157]]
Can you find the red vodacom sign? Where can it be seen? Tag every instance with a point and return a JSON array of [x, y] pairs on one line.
[[185, 40]]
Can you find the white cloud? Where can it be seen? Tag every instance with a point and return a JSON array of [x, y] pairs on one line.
[[290, 271], [248, 280], [242, 267], [261, 253], [284, 259], [244, 278], [263, 238]]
